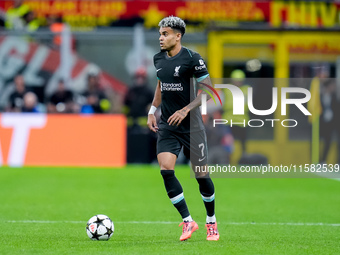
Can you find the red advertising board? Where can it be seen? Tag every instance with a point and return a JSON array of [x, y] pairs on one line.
[[62, 140], [90, 13]]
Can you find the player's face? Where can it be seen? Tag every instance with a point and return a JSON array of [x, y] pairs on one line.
[[168, 38]]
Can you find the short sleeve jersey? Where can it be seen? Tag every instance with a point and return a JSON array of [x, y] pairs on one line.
[[177, 87]]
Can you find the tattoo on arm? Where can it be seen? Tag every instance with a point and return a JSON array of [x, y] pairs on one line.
[[182, 112]]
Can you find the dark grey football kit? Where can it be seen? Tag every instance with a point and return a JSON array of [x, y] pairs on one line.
[[178, 90]]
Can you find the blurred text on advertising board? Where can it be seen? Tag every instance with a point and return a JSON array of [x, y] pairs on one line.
[[62, 140], [198, 14]]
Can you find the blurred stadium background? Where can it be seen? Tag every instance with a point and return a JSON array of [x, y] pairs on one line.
[[101, 52]]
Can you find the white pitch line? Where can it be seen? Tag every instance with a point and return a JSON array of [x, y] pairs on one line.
[[45, 221], [172, 222]]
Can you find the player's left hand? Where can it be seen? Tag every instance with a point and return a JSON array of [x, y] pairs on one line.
[[177, 118]]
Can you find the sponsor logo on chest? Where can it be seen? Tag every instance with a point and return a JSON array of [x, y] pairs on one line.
[[171, 86]]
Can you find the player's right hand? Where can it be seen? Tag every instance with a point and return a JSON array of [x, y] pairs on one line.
[[152, 124]]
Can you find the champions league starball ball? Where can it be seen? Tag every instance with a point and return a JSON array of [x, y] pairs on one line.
[[99, 227]]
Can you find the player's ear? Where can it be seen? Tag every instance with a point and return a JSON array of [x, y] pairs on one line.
[[178, 36]]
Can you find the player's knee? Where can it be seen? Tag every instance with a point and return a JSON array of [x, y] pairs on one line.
[[165, 166], [200, 172], [202, 175]]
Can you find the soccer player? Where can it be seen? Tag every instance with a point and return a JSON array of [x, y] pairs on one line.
[[181, 123]]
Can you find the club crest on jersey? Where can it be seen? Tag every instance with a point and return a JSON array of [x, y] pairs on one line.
[[177, 71]]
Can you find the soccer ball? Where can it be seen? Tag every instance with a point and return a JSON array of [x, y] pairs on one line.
[[100, 227]]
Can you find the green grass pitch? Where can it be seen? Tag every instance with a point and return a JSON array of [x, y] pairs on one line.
[[45, 210]]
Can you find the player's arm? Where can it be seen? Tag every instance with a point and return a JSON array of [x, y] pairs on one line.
[[179, 115], [157, 100]]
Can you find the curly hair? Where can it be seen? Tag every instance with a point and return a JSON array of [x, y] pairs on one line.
[[173, 22]]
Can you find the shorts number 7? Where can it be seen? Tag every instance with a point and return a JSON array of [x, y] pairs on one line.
[[201, 145]]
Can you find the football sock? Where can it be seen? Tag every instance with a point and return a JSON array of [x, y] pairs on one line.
[[188, 219], [211, 219], [207, 191], [175, 192]]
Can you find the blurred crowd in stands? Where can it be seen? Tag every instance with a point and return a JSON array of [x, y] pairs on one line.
[[95, 99]]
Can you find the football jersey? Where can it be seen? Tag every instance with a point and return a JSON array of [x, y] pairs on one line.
[[177, 87]]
